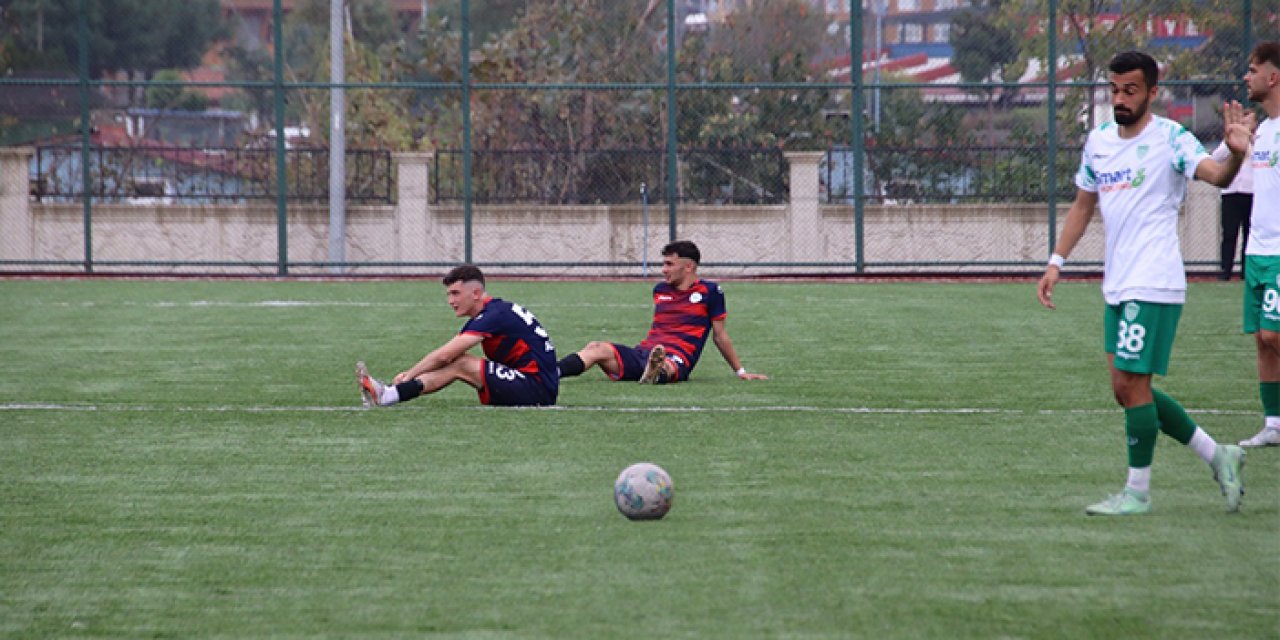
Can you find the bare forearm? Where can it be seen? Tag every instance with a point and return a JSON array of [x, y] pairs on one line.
[[725, 345]]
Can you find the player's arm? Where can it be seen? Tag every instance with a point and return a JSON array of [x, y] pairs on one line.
[[1237, 135], [446, 353], [1073, 229], [720, 336]]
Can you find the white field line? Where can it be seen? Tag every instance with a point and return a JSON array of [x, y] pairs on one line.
[[290, 304], [114, 408]]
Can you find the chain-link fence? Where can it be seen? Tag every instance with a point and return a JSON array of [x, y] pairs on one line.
[[579, 136]]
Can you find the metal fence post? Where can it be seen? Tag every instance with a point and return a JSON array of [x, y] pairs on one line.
[[85, 129], [282, 185], [855, 118], [644, 230], [1051, 104], [466, 131], [673, 176]]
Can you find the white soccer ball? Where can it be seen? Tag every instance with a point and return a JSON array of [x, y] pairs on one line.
[[643, 491]]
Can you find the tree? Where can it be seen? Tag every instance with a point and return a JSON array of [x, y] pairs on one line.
[[985, 51], [1091, 31], [172, 96], [766, 41], [130, 36]]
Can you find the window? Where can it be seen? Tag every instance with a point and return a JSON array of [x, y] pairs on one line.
[[912, 32], [940, 32], [908, 5]]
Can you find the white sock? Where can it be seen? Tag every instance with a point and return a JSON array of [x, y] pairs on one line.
[[390, 395], [1203, 445], [1273, 422], [1139, 479]]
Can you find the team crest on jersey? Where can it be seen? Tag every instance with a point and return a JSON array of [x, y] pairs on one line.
[[1131, 311], [696, 297]]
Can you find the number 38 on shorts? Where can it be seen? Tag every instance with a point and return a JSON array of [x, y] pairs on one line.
[[1140, 335]]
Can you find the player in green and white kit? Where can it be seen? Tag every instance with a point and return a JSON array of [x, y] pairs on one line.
[[1262, 258], [1136, 170]]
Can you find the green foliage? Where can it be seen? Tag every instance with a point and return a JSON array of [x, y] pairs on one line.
[[908, 122], [130, 36], [208, 473], [983, 45], [172, 96]]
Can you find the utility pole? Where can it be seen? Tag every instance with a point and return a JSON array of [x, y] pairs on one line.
[[337, 140]]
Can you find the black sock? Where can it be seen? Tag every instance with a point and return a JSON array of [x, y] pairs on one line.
[[571, 366], [409, 390]]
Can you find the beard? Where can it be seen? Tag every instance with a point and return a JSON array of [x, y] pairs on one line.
[[1125, 117], [1257, 96]]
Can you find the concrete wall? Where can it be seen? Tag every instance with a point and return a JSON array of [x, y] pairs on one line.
[[414, 236]]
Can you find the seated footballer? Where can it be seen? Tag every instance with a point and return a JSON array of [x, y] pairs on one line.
[[519, 367], [686, 309]]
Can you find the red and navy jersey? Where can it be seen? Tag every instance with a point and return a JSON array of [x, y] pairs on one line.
[[513, 337], [682, 319]]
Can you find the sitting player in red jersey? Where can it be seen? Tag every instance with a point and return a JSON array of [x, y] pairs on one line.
[[685, 310], [520, 369]]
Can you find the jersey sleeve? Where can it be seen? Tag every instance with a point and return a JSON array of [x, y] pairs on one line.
[[715, 302], [1188, 153], [1086, 175]]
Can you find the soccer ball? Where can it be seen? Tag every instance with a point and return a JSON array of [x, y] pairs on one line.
[[643, 491]]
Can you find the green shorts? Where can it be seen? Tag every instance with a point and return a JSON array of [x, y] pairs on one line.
[[1261, 293], [1140, 335]]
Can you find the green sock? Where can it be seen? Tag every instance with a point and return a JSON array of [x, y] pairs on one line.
[[1270, 394], [1141, 425], [1174, 421]]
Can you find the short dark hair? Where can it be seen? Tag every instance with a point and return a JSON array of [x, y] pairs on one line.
[[1265, 52], [683, 249], [1130, 60], [464, 273]]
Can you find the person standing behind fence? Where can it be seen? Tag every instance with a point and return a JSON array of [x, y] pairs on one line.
[[1136, 170], [1236, 203], [1262, 257]]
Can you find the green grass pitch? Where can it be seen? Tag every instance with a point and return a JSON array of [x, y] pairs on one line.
[[188, 460]]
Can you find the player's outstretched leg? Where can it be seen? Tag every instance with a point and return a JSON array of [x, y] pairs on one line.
[[1227, 463], [1268, 437], [370, 388], [1129, 502], [653, 368]]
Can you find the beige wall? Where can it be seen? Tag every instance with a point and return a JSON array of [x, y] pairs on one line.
[[805, 234]]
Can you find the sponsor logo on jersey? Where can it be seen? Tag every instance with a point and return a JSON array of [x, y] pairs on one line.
[[1142, 151], [662, 297], [1121, 179]]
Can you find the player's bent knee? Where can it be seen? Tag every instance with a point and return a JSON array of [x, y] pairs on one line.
[[596, 351], [1269, 339]]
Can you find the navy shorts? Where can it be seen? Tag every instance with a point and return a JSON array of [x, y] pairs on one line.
[[506, 387], [631, 361]]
